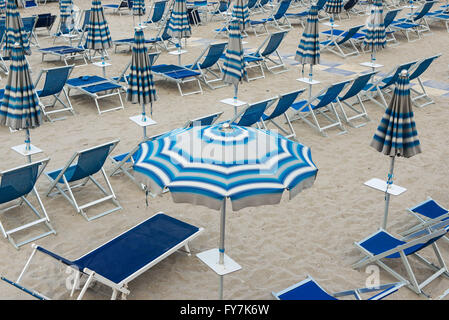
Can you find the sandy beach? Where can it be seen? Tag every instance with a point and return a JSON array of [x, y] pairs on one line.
[[277, 245]]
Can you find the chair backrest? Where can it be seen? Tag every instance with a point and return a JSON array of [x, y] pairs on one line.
[[29, 3], [29, 24], [153, 57], [320, 4], [350, 4], [307, 289], [282, 9], [165, 35], [274, 41], [251, 4], [424, 10], [390, 80], [20, 181], [90, 161], [86, 19], [252, 113], [284, 103], [422, 66], [214, 52], [158, 11], [390, 16], [351, 32], [330, 93], [45, 20], [223, 6], [262, 3], [204, 121], [55, 80], [357, 85]]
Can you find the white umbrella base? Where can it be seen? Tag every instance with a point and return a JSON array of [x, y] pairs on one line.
[[210, 258], [22, 149]]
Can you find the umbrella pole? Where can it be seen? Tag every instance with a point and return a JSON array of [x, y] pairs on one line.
[[221, 248], [387, 195], [103, 63], [179, 51], [143, 120], [373, 58], [310, 80], [236, 89], [28, 143]]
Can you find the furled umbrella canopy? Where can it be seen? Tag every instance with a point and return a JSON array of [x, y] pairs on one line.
[[241, 13], [308, 51], [15, 32], [179, 26], [234, 64], [375, 38], [98, 34], [66, 16], [334, 6]]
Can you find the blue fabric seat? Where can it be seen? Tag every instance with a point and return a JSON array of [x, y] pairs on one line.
[[179, 74], [341, 40]]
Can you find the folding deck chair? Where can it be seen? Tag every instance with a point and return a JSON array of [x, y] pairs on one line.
[[380, 86], [116, 7], [277, 18], [54, 85], [321, 104], [45, 21], [252, 113], [29, 4], [302, 15], [418, 70], [180, 75], [29, 24], [268, 48], [206, 61], [125, 257], [342, 39], [158, 14], [17, 184], [382, 246], [284, 103], [358, 84], [309, 289], [221, 10], [97, 88], [89, 162], [204, 120], [390, 16]]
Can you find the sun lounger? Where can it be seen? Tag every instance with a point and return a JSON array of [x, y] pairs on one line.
[[117, 7], [204, 120], [382, 246], [309, 289], [321, 104], [122, 259], [17, 184], [252, 114], [97, 88], [277, 18], [158, 14], [54, 85], [340, 40], [65, 53], [421, 67], [75, 175], [284, 103], [180, 75]]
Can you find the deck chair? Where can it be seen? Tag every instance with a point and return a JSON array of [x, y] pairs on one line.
[[414, 24], [116, 7], [125, 257], [17, 184], [321, 104], [428, 213], [342, 39], [208, 120], [277, 18], [382, 246], [358, 84], [221, 10], [418, 70], [29, 24], [45, 21], [180, 75], [383, 85], [205, 63], [29, 4], [302, 15], [284, 103], [54, 86], [158, 14], [309, 289], [89, 162], [390, 16], [268, 48], [252, 113], [97, 88], [33, 293]]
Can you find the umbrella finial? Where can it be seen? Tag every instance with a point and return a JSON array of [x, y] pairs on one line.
[[403, 72]]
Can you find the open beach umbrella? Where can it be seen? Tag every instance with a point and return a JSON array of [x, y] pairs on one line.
[[65, 13], [396, 135], [178, 25], [206, 165], [15, 32], [241, 13], [308, 51], [140, 84], [98, 34], [20, 105], [375, 38], [234, 63], [138, 9]]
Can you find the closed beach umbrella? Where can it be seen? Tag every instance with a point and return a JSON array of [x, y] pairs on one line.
[[308, 51], [20, 105], [206, 165], [65, 14], [333, 6], [375, 38], [234, 63], [241, 13], [2, 6], [138, 8], [15, 32], [178, 25], [98, 34], [140, 84], [396, 135]]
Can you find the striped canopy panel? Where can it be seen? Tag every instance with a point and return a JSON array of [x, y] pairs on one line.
[[241, 13], [333, 6], [139, 7], [234, 64], [308, 51], [178, 25], [15, 32], [98, 35], [375, 37]]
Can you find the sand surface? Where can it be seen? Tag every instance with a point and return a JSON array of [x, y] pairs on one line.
[[276, 246]]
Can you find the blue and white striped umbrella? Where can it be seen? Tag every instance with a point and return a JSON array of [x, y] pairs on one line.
[[2, 6], [205, 165], [15, 32], [241, 13], [375, 37], [178, 25], [139, 7], [308, 51], [20, 108], [396, 135], [66, 22], [334, 6], [98, 34], [234, 63], [140, 84]]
